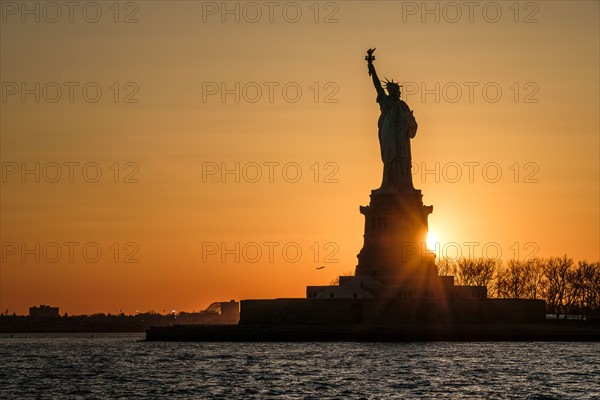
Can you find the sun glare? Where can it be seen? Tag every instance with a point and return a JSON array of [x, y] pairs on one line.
[[431, 240]]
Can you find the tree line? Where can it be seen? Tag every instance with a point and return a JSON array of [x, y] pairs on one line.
[[568, 288]]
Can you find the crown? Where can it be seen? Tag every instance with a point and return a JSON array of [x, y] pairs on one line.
[[391, 83]]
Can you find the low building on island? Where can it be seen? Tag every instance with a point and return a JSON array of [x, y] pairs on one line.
[[43, 311]]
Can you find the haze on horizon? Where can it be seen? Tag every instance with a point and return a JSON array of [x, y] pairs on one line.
[[227, 160]]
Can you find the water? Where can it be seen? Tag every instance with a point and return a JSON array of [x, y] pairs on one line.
[[120, 366]]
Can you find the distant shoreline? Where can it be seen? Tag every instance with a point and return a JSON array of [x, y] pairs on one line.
[[102, 323]]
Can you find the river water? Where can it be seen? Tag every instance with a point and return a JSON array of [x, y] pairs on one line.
[[122, 366]]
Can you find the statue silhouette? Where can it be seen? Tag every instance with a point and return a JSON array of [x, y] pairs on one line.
[[397, 126]]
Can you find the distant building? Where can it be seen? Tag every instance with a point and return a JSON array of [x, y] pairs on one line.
[[230, 311], [43, 312]]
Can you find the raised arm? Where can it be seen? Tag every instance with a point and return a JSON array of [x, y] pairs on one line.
[[376, 82]]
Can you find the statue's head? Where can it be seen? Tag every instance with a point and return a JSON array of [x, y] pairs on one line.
[[393, 88]]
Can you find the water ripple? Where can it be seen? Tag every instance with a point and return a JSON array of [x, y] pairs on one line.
[[120, 366]]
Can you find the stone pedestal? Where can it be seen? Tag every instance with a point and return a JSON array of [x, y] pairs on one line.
[[394, 250]]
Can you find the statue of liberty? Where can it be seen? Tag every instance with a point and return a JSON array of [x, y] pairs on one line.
[[397, 126]]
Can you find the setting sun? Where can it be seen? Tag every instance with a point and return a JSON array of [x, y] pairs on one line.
[[431, 240]]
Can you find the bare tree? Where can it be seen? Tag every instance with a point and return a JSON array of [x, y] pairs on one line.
[[585, 282], [556, 270], [447, 266], [537, 279], [513, 281], [477, 272]]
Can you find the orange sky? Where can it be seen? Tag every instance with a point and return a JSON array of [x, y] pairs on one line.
[[541, 133]]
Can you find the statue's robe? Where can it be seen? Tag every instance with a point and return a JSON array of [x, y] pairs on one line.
[[397, 126]]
